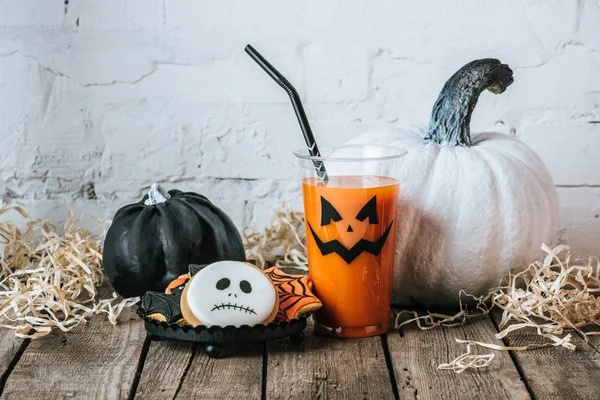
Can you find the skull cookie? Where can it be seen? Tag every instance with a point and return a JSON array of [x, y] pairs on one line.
[[229, 293]]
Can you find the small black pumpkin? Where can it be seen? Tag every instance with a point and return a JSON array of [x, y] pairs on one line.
[[152, 242]]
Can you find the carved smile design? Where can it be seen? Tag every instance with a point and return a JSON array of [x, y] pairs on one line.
[[230, 306], [348, 255]]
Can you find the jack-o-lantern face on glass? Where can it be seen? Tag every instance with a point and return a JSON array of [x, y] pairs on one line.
[[351, 228]]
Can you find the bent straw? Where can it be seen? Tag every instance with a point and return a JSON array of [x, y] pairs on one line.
[[311, 143]]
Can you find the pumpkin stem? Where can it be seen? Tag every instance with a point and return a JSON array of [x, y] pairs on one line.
[[451, 114], [156, 195]]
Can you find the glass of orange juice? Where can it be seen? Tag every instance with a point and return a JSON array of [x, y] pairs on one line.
[[351, 220]]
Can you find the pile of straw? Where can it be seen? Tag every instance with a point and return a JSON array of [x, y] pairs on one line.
[[49, 279], [554, 297], [280, 244]]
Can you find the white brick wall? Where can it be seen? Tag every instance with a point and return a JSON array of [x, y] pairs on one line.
[[116, 94]]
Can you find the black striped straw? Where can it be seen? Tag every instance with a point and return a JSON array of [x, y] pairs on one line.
[[311, 143]]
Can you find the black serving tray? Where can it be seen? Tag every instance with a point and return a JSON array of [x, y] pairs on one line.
[[213, 337]]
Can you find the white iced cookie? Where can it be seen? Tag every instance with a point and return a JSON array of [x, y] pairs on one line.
[[229, 293]]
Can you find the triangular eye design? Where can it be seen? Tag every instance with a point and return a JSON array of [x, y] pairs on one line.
[[369, 211], [328, 213]]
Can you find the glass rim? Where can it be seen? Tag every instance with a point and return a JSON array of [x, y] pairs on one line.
[[398, 152]]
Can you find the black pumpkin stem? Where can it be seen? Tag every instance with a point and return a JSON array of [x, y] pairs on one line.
[[156, 195], [451, 114]]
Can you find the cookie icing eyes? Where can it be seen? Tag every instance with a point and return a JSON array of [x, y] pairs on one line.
[[245, 286], [223, 283], [231, 293]]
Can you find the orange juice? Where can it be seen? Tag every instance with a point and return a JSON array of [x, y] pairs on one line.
[[350, 234]]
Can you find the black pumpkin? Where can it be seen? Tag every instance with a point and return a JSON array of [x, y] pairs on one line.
[[152, 242]]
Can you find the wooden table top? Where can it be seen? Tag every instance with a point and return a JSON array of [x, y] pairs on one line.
[[103, 361]]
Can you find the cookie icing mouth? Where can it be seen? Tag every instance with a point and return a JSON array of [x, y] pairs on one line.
[[230, 306]]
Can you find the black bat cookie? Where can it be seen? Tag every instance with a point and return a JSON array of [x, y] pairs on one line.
[[164, 304]]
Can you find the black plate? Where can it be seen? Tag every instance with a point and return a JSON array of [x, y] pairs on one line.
[[214, 336]]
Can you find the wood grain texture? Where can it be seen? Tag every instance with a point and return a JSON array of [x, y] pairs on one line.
[[95, 361], [327, 368], [416, 354], [9, 347], [165, 366], [556, 372], [238, 375]]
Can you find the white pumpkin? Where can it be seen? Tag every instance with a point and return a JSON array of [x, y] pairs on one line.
[[470, 208]]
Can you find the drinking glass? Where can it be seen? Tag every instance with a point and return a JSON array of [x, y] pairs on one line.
[[351, 219]]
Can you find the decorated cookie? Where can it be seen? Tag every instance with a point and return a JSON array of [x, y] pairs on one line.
[[163, 307], [229, 293], [295, 294]]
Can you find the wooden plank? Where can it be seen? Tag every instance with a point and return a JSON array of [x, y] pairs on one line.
[[416, 354], [327, 368], [166, 364], [237, 375], [556, 372], [97, 360], [11, 348]]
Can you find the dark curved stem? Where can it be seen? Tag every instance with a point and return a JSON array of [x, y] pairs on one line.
[[451, 114]]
